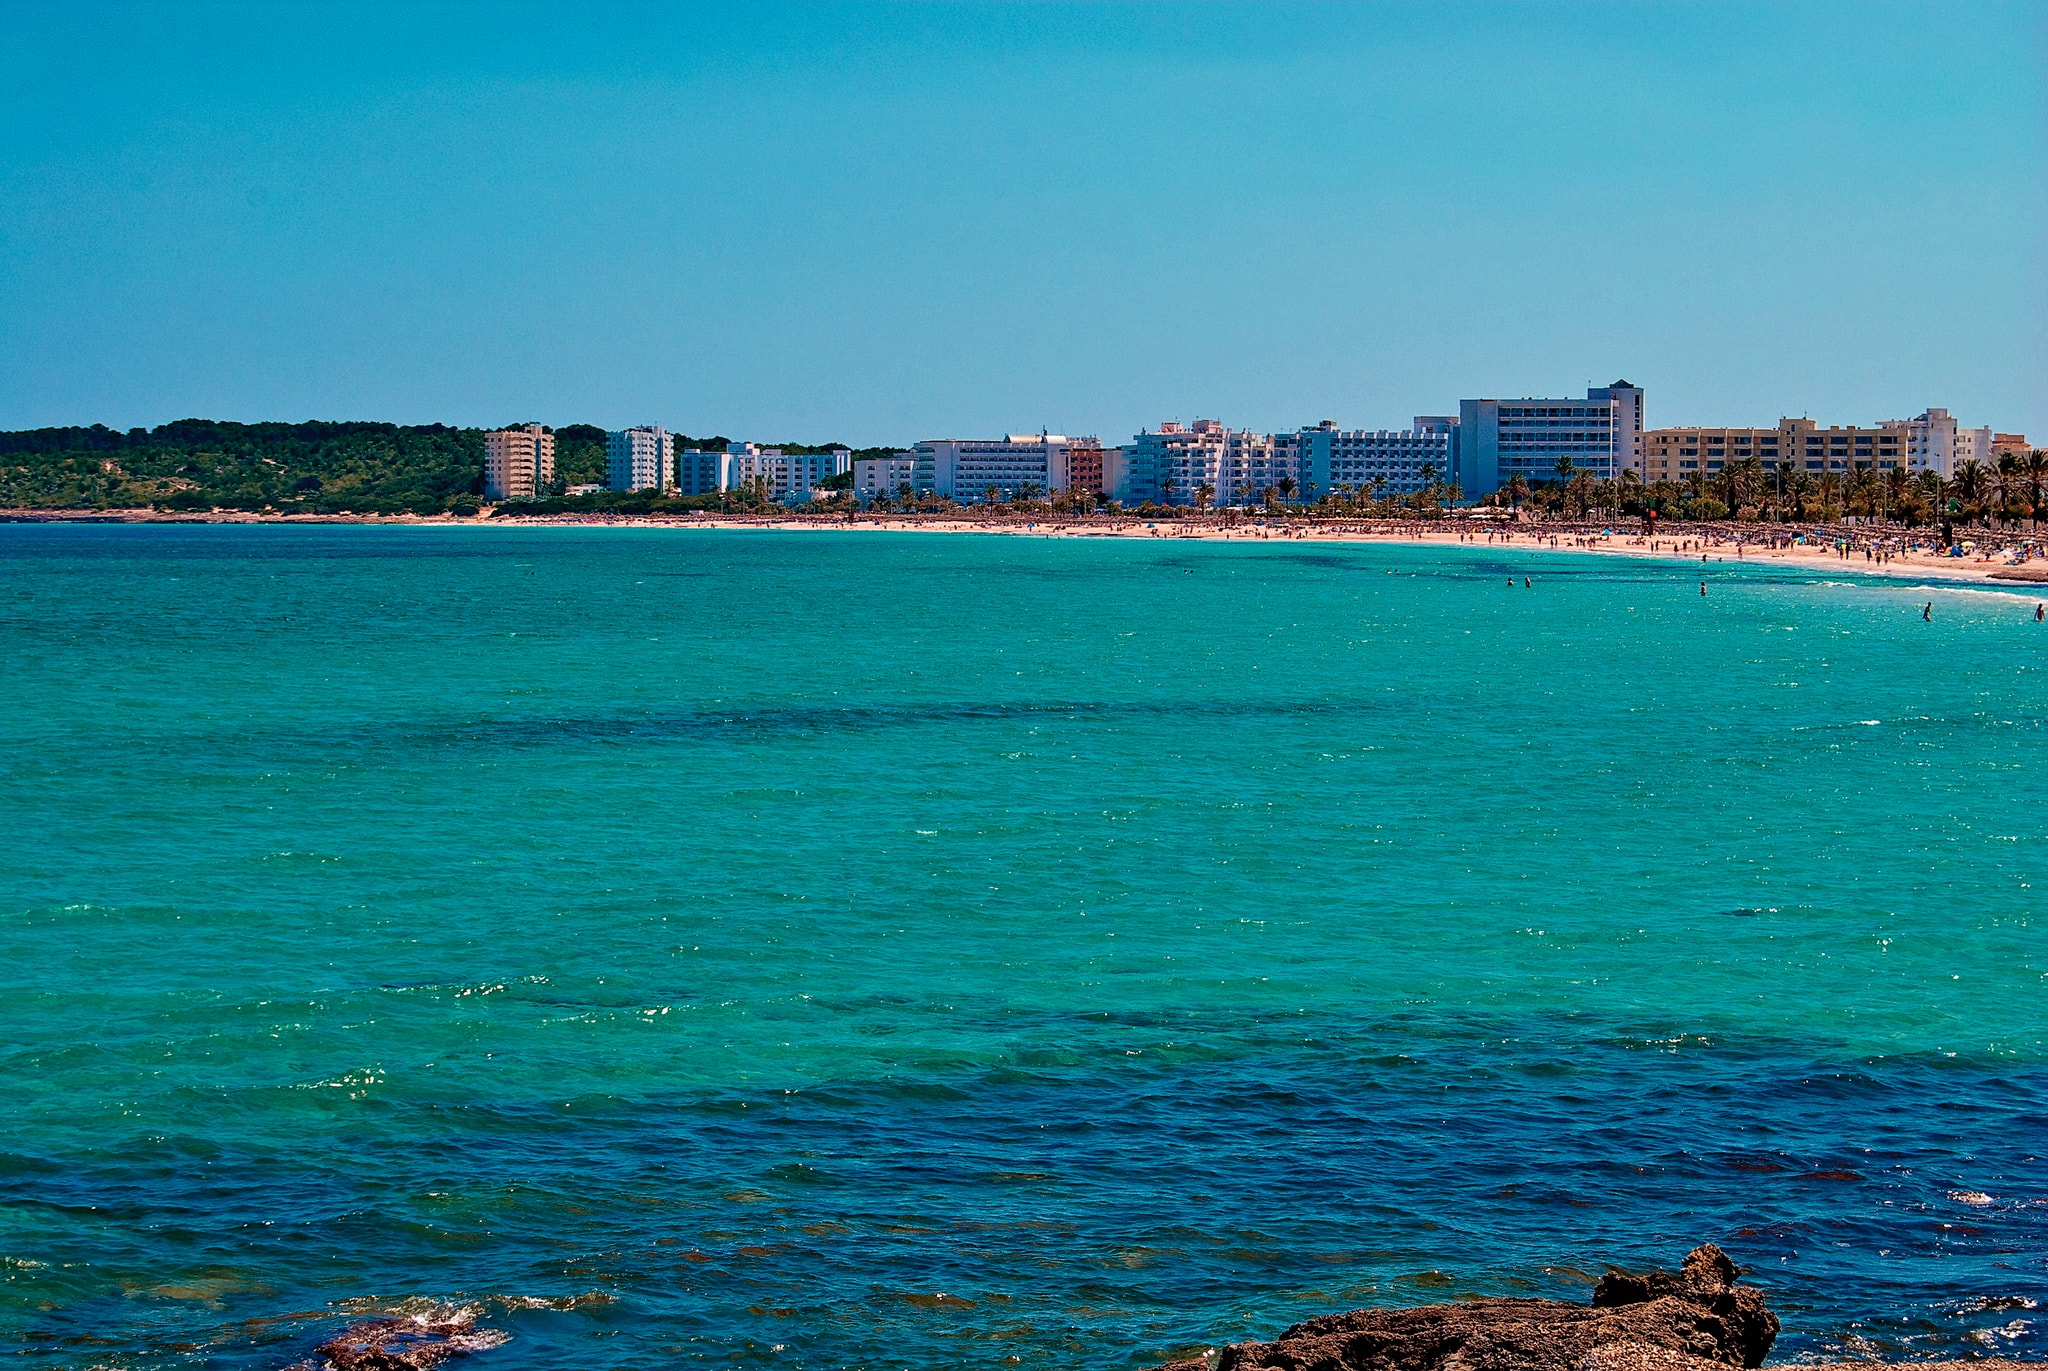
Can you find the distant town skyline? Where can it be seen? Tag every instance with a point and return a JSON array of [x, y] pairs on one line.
[[874, 224]]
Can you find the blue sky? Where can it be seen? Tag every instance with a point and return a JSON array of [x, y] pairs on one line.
[[880, 223]]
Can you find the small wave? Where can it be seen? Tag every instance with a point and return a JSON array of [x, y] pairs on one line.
[[589, 1299], [1990, 1304]]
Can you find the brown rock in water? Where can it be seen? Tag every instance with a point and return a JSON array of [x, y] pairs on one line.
[[1694, 1318], [403, 1344]]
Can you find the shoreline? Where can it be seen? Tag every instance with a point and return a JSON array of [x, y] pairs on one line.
[[1695, 544]]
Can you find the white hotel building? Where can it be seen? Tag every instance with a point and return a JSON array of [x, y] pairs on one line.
[[884, 477], [1936, 443], [1382, 461], [785, 477], [1172, 463], [1014, 466]]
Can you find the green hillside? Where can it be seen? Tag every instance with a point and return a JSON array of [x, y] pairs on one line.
[[199, 464]]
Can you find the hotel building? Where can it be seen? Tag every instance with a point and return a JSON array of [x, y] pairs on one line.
[[1936, 443], [1842, 450], [1385, 461], [1673, 454], [519, 463], [639, 458], [703, 471], [1166, 464], [966, 469], [2009, 444], [884, 477], [1501, 439], [1084, 465], [785, 477]]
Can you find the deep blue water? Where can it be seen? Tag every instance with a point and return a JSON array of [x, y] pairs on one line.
[[871, 950]]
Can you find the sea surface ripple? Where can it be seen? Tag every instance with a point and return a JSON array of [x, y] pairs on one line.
[[875, 950]]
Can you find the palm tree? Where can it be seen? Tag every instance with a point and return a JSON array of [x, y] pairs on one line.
[[1749, 480], [1286, 484], [1204, 493], [1579, 491], [1967, 485], [1564, 473], [1897, 486], [1627, 486], [1730, 481], [1518, 491], [1166, 488], [2012, 483], [2035, 467], [1829, 488]]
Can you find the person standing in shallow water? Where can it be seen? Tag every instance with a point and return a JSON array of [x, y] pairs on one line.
[[1927, 614]]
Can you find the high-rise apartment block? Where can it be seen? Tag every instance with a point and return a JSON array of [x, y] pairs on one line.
[[1498, 440], [1084, 465], [519, 463], [640, 458]]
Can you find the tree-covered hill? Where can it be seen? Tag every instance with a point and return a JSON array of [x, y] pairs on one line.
[[201, 464], [325, 468]]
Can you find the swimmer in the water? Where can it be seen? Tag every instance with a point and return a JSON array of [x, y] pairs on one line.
[[1928, 613]]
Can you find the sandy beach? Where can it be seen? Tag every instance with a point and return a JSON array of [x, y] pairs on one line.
[[2009, 558]]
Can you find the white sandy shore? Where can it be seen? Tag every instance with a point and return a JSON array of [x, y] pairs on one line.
[[1879, 551]]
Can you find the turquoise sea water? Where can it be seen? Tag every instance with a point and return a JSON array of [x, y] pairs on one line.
[[897, 950]]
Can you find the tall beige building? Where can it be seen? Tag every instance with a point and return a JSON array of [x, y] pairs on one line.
[[518, 462]]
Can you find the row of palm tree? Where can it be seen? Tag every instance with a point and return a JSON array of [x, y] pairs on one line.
[[2006, 491]]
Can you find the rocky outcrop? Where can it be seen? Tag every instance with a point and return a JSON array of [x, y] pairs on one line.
[[403, 1344], [1696, 1317]]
